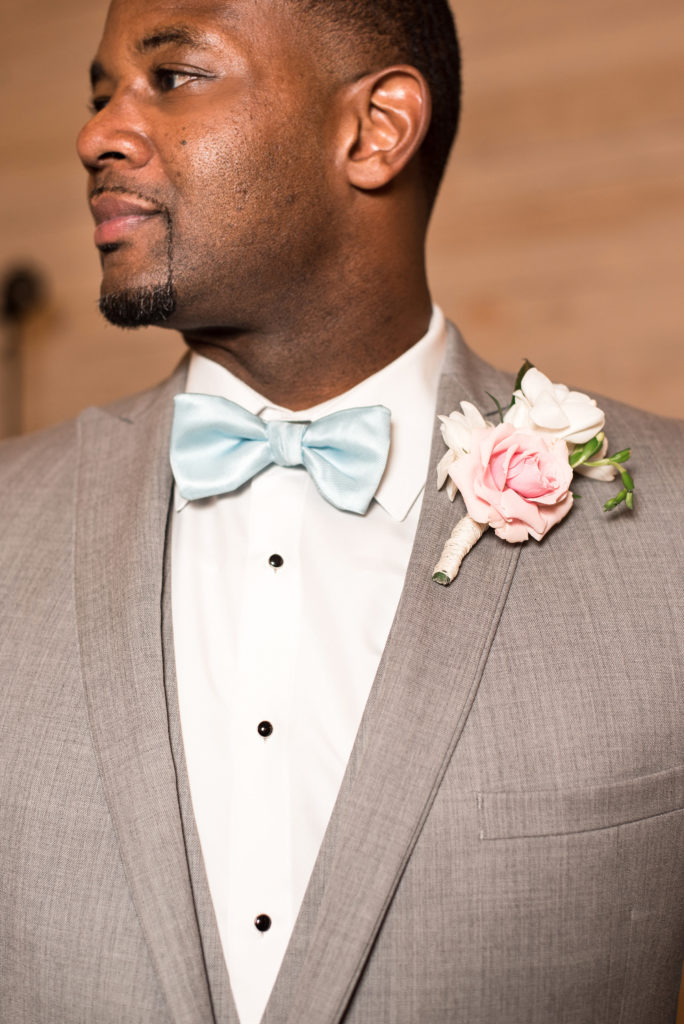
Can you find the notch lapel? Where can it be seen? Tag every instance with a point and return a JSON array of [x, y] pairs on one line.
[[123, 493], [423, 692]]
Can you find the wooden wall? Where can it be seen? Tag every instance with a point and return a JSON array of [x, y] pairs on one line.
[[558, 234], [561, 231]]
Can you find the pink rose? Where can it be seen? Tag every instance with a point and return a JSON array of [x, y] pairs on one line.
[[518, 483]]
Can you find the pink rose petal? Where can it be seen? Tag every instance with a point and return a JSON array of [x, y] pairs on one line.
[[517, 482]]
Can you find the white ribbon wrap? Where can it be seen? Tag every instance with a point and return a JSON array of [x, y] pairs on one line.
[[462, 540]]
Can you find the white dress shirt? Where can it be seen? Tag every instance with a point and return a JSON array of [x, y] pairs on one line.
[[289, 650]]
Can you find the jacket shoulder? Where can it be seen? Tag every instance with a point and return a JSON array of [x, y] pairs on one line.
[[646, 427], [34, 461]]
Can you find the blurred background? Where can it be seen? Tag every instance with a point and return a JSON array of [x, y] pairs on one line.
[[558, 235]]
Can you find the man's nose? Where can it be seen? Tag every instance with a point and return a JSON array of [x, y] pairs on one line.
[[114, 135]]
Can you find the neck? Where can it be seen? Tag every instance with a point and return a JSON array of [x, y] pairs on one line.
[[323, 351]]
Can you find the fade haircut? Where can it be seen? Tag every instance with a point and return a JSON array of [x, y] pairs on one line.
[[421, 33]]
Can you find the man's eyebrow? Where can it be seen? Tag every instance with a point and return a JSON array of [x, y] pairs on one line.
[[170, 34]]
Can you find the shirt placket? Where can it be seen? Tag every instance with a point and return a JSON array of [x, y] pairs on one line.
[[261, 724]]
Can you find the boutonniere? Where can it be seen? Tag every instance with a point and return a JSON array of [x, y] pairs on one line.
[[515, 476]]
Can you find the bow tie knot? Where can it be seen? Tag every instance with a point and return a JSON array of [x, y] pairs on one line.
[[285, 441], [217, 446]]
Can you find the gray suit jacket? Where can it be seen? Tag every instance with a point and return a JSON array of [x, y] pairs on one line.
[[508, 841]]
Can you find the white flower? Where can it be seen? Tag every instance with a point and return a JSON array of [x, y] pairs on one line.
[[457, 429], [554, 410]]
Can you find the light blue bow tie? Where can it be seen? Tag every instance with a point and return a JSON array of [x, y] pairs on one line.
[[217, 446]]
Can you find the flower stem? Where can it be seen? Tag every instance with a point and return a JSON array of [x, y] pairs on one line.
[[626, 495]]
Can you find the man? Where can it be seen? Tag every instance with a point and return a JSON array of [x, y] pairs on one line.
[[254, 761]]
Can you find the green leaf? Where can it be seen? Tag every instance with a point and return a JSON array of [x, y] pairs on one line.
[[580, 455], [623, 456], [614, 502], [629, 501], [627, 480], [497, 403], [527, 365]]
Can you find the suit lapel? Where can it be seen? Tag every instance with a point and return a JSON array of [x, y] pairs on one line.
[[122, 500], [223, 1003], [423, 692]]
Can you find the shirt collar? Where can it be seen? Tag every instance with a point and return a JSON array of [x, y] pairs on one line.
[[407, 386]]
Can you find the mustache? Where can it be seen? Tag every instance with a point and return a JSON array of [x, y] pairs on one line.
[[126, 190]]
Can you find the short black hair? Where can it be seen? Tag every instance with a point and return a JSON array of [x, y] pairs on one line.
[[421, 33]]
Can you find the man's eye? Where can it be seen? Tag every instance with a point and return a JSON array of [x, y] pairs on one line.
[[97, 104], [168, 80]]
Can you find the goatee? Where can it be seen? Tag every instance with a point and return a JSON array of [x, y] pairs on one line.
[[140, 307]]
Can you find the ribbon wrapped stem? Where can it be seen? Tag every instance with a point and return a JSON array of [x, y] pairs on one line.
[[462, 540]]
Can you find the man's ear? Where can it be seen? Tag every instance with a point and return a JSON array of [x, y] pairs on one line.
[[387, 116]]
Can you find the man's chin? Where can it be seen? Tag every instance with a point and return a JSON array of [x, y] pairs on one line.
[[139, 307]]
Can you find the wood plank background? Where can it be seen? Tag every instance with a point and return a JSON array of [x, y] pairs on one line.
[[561, 232], [558, 234]]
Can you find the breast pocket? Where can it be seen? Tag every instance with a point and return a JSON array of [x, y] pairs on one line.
[[537, 813], [599, 872]]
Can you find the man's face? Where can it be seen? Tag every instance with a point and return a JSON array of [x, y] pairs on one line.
[[209, 159]]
